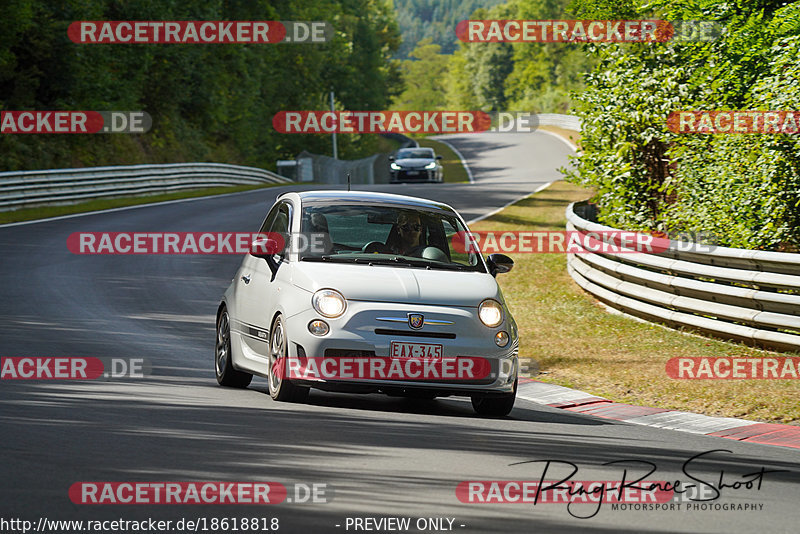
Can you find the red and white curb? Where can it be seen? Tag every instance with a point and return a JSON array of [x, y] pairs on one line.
[[574, 400]]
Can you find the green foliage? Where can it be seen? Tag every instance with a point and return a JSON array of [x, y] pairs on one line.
[[624, 136], [424, 77], [517, 76], [208, 102], [544, 74], [604, 9], [743, 188], [747, 187], [435, 20]]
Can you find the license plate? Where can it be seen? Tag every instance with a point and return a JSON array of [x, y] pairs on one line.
[[415, 350], [413, 173]]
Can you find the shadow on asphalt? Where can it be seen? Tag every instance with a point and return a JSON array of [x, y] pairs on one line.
[[165, 428]]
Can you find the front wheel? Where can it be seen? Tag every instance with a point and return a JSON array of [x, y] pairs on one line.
[[223, 362], [280, 387], [498, 406]]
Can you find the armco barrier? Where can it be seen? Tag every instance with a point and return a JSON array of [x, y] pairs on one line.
[[25, 188], [568, 122], [746, 295]]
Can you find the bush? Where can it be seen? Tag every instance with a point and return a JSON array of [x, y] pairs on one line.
[[744, 188]]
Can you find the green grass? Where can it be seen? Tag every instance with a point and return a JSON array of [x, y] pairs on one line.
[[385, 144], [578, 344], [29, 214], [452, 168]]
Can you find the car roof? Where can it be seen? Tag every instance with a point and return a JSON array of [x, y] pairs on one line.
[[368, 197]]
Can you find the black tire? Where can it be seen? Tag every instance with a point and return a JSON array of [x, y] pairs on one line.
[[223, 363], [495, 406], [280, 387]]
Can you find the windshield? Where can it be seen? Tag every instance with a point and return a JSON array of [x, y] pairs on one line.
[[408, 153], [387, 235]]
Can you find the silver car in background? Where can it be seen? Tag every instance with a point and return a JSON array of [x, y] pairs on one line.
[[385, 282], [418, 164]]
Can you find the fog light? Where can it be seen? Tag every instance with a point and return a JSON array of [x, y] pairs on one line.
[[318, 327], [501, 338]]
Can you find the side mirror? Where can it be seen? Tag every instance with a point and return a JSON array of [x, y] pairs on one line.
[[438, 157], [391, 158], [499, 263], [266, 248]]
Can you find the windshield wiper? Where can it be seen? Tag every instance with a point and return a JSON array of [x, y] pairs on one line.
[[452, 266], [396, 261], [367, 258], [414, 262], [329, 257]]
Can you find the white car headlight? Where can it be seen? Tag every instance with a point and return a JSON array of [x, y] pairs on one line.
[[491, 313], [395, 166], [431, 165], [329, 303]]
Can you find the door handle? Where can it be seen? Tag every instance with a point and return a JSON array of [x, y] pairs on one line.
[[246, 278]]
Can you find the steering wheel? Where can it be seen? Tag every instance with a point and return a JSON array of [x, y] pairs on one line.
[[375, 247]]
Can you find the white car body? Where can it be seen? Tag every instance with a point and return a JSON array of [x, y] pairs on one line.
[[379, 299]]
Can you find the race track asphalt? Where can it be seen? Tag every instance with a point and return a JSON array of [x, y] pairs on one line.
[[377, 456]]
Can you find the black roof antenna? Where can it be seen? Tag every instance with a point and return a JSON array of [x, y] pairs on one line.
[[348, 182]]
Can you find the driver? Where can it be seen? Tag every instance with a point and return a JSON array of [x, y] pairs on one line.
[[409, 230]]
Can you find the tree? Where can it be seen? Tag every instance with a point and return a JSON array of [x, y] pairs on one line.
[[424, 76], [743, 188], [209, 102]]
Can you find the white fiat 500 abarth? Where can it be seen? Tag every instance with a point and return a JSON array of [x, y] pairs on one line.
[[363, 292]]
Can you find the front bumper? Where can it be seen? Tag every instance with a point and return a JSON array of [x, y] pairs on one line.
[[413, 175], [364, 332]]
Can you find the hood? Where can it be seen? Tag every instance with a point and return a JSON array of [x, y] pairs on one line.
[[397, 284], [413, 162]]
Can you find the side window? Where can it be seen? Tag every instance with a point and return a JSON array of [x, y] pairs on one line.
[[269, 220], [282, 217], [281, 222], [457, 254]]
